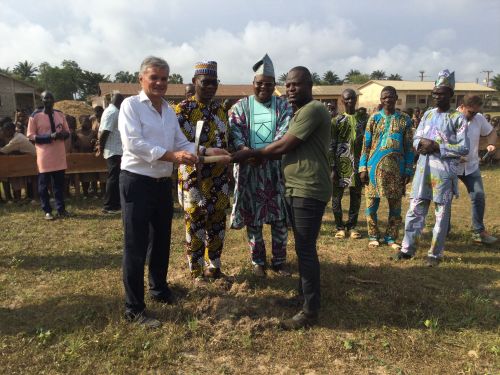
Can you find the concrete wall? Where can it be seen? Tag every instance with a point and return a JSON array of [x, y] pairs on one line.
[[9, 88]]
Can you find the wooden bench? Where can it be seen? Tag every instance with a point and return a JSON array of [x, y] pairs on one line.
[[25, 165]]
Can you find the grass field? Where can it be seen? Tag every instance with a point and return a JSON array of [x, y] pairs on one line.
[[61, 300]]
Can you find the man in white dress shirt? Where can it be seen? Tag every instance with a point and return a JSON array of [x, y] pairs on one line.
[[468, 171], [152, 141]]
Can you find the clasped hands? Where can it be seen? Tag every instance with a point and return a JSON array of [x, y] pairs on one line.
[[186, 157], [427, 146]]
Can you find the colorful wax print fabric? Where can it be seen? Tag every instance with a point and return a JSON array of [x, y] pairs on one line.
[[387, 154], [204, 186], [345, 147], [259, 190]]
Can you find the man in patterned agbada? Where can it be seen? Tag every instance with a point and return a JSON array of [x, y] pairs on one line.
[[259, 194], [441, 139], [204, 188], [386, 166]]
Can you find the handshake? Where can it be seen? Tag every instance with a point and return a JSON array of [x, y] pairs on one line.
[[213, 155]]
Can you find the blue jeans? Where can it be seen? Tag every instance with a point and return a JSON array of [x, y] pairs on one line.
[[474, 184]]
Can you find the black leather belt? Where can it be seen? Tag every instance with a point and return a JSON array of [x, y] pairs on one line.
[[146, 178]]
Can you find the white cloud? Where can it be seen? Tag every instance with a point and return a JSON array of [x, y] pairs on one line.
[[108, 36]]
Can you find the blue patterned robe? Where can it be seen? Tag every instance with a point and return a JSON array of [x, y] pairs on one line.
[[436, 174], [387, 154], [259, 191]]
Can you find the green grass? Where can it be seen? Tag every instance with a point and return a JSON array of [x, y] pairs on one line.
[[61, 301]]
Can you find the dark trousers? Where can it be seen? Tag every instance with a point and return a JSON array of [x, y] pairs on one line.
[[355, 204], [57, 179], [147, 209], [112, 195], [306, 215]]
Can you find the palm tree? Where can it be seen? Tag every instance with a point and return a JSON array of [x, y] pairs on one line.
[[316, 78], [351, 73], [282, 79], [6, 71], [25, 70], [378, 74], [495, 81], [395, 77], [331, 78]]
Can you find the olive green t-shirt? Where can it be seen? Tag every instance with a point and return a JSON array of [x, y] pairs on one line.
[[306, 168]]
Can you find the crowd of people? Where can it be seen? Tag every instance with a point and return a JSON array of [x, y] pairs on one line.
[[288, 156]]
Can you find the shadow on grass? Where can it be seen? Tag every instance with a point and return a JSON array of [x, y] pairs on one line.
[[357, 297], [62, 314], [71, 261]]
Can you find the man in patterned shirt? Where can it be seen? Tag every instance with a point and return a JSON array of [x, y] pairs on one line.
[[345, 150], [204, 188], [386, 165]]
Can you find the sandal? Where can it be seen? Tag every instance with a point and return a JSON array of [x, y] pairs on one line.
[[373, 244], [395, 246], [340, 234], [355, 235]]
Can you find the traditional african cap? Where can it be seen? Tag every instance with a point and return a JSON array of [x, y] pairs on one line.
[[208, 68], [264, 66], [446, 79]]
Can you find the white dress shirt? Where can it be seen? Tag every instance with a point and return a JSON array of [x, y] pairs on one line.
[[477, 127], [146, 136]]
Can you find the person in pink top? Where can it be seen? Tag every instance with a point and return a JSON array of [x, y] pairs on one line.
[[48, 129]]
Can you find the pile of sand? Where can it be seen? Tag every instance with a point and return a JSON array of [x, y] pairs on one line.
[[74, 108]]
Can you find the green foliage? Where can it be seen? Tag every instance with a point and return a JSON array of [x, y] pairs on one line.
[[25, 70], [316, 78], [126, 77], [496, 82], [62, 82], [359, 78], [331, 78], [6, 71], [378, 74], [282, 79], [174, 78], [89, 83], [395, 77]]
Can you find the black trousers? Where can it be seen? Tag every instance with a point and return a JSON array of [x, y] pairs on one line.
[[57, 180], [354, 205], [306, 215], [147, 210], [112, 195]]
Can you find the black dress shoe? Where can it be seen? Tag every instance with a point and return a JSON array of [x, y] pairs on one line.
[[300, 320], [167, 299], [143, 319]]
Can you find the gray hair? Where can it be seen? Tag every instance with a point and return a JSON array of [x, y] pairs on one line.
[[157, 62]]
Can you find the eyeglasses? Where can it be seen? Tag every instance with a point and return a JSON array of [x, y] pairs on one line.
[[209, 82], [267, 85]]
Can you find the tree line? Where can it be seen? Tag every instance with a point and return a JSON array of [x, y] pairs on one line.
[[353, 76], [69, 80]]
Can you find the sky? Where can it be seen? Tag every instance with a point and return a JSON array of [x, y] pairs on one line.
[[396, 36]]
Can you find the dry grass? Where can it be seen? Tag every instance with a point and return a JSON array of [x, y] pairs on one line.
[[61, 301]]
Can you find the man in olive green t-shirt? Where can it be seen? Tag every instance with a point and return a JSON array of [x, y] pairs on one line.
[[307, 182]]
